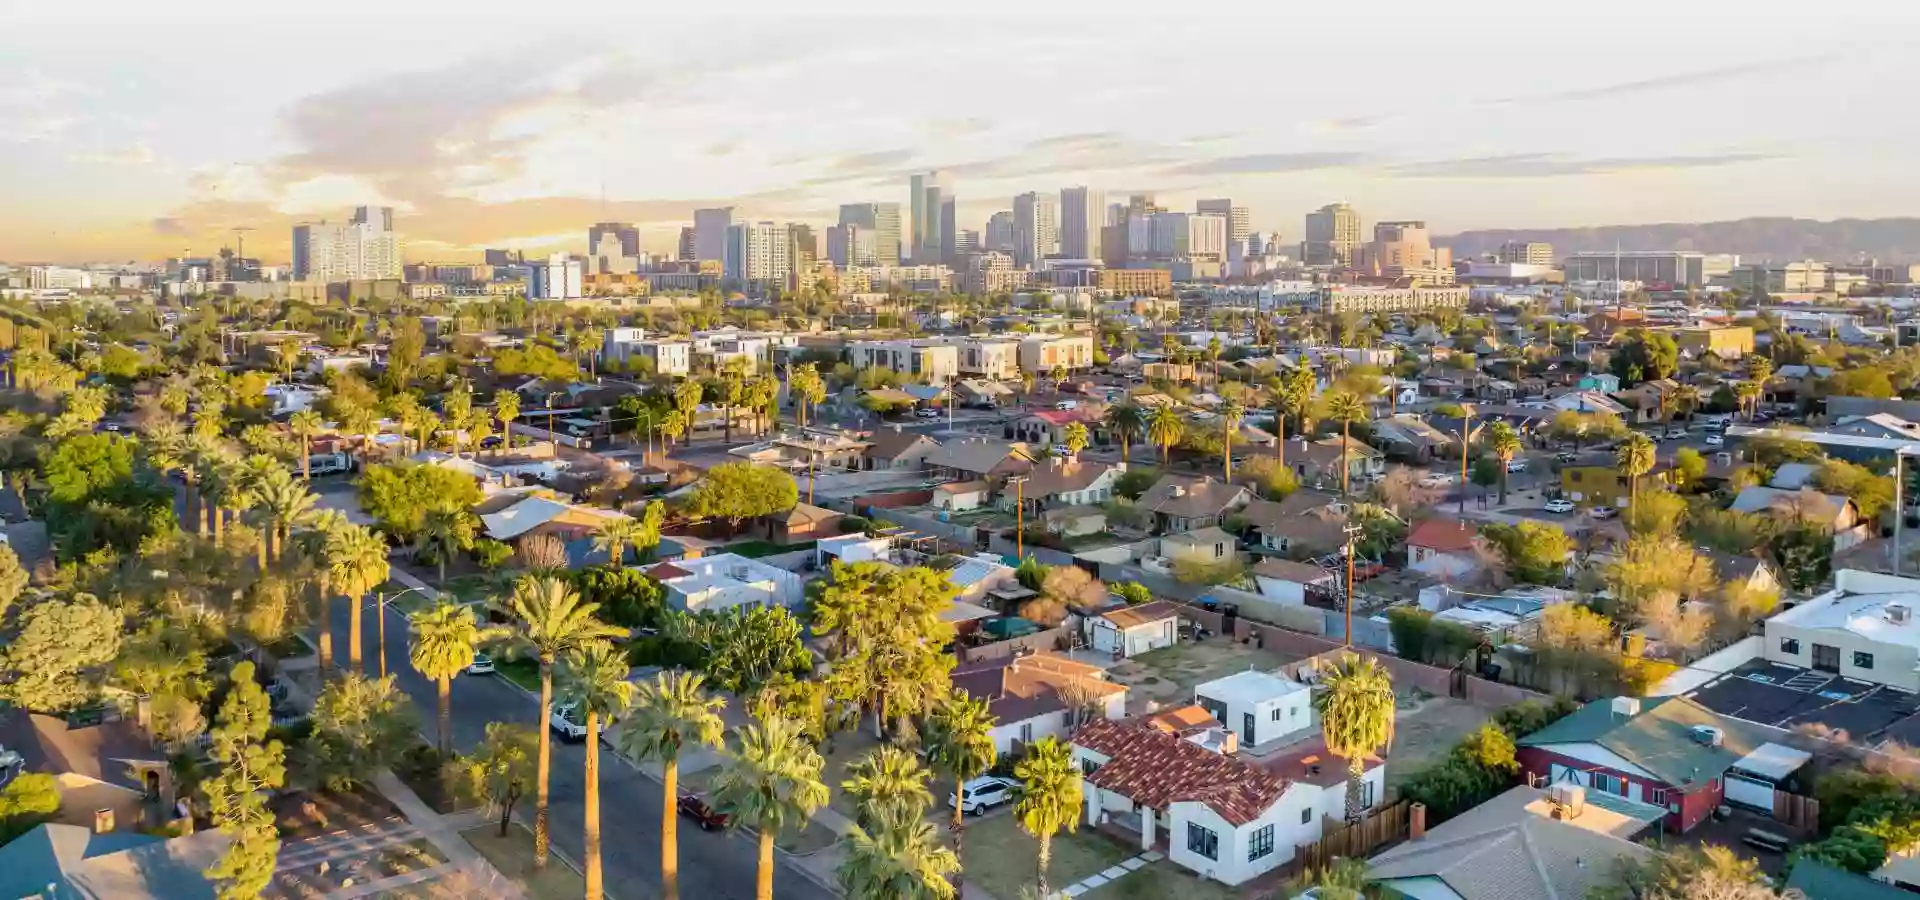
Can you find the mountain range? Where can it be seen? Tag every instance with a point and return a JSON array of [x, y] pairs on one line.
[[1756, 240]]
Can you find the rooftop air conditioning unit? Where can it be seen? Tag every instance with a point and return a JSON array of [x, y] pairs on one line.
[[1568, 799], [1626, 707], [1708, 735], [1899, 613]]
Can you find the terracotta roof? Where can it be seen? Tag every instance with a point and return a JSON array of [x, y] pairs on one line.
[[1156, 769], [665, 571], [1062, 417], [1128, 617], [1444, 535], [1021, 687], [1310, 762]]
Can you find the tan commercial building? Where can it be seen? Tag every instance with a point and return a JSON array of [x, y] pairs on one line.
[[1333, 236], [1730, 342], [1526, 253], [1347, 298], [1154, 282], [989, 357], [925, 361], [1040, 354]]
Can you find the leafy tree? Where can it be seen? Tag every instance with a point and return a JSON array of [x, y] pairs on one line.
[[770, 783], [360, 726], [60, 653], [1729, 531], [249, 766], [887, 781], [1133, 592], [13, 579], [536, 361], [1805, 554], [1849, 847], [1657, 513], [1356, 719], [897, 857], [549, 620], [885, 636], [500, 769], [1486, 472], [669, 713], [1689, 467], [28, 800], [1645, 356], [1871, 493], [1134, 482], [1126, 423], [1049, 798], [443, 533], [1065, 587], [399, 496], [445, 640], [1505, 444], [740, 491], [1165, 427], [1712, 872], [1476, 770], [97, 498], [593, 680], [1535, 552]]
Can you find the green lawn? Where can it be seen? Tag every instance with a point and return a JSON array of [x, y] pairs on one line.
[[523, 672], [1002, 858], [513, 856], [756, 549], [1158, 881]]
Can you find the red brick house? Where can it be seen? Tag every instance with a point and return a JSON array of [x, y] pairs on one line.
[[1668, 752]]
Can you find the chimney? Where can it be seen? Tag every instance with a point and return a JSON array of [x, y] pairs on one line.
[[1416, 821], [103, 821]]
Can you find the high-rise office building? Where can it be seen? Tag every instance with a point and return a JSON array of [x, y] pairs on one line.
[[1143, 205], [1116, 214], [999, 236], [759, 251], [1526, 253], [364, 248], [1183, 236], [494, 257], [930, 202], [1083, 213], [852, 245], [1036, 233], [1333, 234], [558, 277], [686, 248], [966, 241], [949, 231], [1238, 218], [882, 220], [625, 232], [710, 227]]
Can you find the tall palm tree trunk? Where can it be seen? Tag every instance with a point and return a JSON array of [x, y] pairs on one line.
[[592, 828], [353, 636], [1280, 438], [1356, 776], [763, 881], [326, 626], [260, 551], [446, 716], [1346, 448], [1503, 482], [1045, 860], [670, 828], [540, 834], [306, 460]]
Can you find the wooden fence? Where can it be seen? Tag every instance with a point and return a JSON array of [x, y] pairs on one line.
[[1796, 812], [1356, 841]]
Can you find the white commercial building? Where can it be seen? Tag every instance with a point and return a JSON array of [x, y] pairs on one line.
[[1036, 233], [989, 357], [1083, 212], [364, 248], [1040, 355], [929, 361], [759, 251], [667, 356], [558, 278], [1864, 629]]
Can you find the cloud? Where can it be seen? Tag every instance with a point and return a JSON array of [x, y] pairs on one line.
[[1268, 163], [33, 128], [1664, 82], [721, 149], [1555, 165], [873, 163], [135, 154], [1346, 124], [171, 227], [1080, 141]]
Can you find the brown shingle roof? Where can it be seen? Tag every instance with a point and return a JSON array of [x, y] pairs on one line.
[[1022, 687], [1288, 570], [1177, 495], [1049, 479], [1156, 769], [1129, 616], [887, 443]]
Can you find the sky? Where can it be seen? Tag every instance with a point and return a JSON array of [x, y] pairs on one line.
[[140, 131]]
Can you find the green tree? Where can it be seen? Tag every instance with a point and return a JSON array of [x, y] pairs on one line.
[[1231, 414], [1689, 467], [739, 491], [443, 533], [1356, 719], [28, 800], [446, 638], [506, 409], [1645, 356], [356, 563], [958, 737], [549, 620], [1049, 798], [1346, 408], [1133, 592], [884, 634], [593, 680], [1505, 444], [897, 857], [1126, 423], [617, 535], [669, 713], [1075, 438], [1165, 428], [504, 767], [1805, 554], [306, 425], [771, 783], [1535, 552], [1872, 493], [361, 725], [250, 765], [1634, 459], [399, 496], [59, 653], [888, 780], [280, 501], [13, 579]]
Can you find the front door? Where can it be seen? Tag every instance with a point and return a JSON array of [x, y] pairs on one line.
[[1826, 659], [1246, 729]]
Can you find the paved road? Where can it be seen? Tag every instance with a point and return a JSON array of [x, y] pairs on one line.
[[712, 866]]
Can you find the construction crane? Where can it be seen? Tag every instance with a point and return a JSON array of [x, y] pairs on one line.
[[240, 241]]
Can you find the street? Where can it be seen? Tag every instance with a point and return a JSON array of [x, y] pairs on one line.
[[713, 866]]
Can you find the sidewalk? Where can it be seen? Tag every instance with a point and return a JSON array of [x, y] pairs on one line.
[[443, 832]]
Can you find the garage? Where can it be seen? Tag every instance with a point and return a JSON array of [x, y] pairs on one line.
[[1751, 782]]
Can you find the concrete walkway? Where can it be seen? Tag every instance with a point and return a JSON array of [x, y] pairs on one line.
[[444, 834], [1109, 875]]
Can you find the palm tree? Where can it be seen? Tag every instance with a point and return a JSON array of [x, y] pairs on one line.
[[445, 532], [897, 857], [357, 563], [506, 408], [771, 783], [615, 536], [686, 398], [1026, 387], [281, 501], [1687, 397], [670, 712], [1748, 395], [1356, 719], [1346, 408], [1075, 438], [313, 545], [1124, 422], [1760, 369], [550, 620], [673, 425], [1231, 412], [593, 679], [958, 737], [1050, 797], [888, 779], [1634, 459], [444, 640], [1505, 444], [1165, 428], [305, 425]]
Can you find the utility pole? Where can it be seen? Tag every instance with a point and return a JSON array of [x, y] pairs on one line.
[[1466, 428], [813, 474], [1350, 531], [1019, 483]]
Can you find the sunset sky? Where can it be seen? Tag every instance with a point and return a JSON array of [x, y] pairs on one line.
[[139, 132]]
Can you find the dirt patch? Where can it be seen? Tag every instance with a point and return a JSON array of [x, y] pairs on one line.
[[1425, 729], [1167, 676], [306, 814]]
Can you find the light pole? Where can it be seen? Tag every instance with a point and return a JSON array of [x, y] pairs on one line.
[[1350, 531], [1019, 483], [1466, 428], [553, 437], [380, 617]]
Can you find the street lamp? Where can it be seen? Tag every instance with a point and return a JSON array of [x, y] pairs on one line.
[[1350, 531], [380, 604], [1019, 483]]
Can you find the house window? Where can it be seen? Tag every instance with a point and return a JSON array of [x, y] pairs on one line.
[[1262, 843], [1612, 784], [1219, 550], [1573, 475], [1306, 816], [1276, 714], [1203, 841], [1657, 796], [1862, 660], [1790, 646], [1088, 767], [1026, 732]]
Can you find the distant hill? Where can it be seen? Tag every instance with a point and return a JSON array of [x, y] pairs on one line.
[[1889, 240]]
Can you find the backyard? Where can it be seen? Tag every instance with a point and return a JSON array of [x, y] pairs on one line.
[[1168, 675], [1425, 730]]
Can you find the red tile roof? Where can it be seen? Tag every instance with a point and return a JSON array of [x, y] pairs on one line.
[[665, 571], [1062, 417], [1444, 535], [1156, 769]]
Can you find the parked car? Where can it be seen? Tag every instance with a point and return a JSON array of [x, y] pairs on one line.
[[1067, 404], [1604, 512], [1714, 440], [570, 723], [1436, 480], [1566, 456], [1676, 434], [482, 665], [984, 793], [1559, 506], [708, 818], [927, 413], [1517, 465]]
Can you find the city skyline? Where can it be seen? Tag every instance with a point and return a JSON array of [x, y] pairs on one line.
[[116, 154]]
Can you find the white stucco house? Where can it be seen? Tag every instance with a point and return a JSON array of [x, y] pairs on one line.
[[1032, 697], [1261, 707], [1867, 628], [1133, 630], [1221, 816], [724, 581]]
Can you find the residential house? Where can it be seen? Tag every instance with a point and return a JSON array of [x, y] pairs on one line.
[[724, 581], [108, 769], [960, 496], [1287, 581], [1598, 481], [1038, 696], [1405, 437], [1184, 503], [1074, 521], [67, 862], [1864, 629], [1049, 426], [1442, 548], [1587, 401], [1525, 843], [1132, 630], [1223, 817], [1750, 573], [1307, 523], [1877, 425], [1602, 382], [1668, 752], [1812, 507], [804, 522], [979, 459], [513, 515], [1649, 401], [1318, 462], [1210, 546], [983, 394], [896, 449], [1816, 880], [1059, 483], [1264, 709]]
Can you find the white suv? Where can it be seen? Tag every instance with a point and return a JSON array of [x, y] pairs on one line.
[[984, 793], [570, 723]]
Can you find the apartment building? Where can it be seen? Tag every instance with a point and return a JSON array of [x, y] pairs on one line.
[[1526, 253], [1670, 268], [720, 348], [1349, 298], [989, 357], [928, 361], [1155, 282], [1040, 354], [669, 356]]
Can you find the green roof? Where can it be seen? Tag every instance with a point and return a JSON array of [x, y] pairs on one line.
[[1660, 739], [1820, 881]]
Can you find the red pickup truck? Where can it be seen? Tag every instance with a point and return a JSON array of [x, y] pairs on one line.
[[705, 816]]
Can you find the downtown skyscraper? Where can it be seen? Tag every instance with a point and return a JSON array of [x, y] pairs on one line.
[[882, 222], [933, 214], [1083, 213], [1036, 231]]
